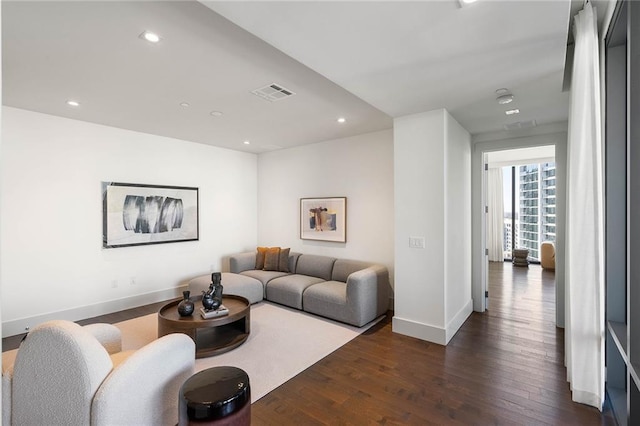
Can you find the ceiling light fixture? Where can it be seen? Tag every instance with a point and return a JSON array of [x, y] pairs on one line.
[[504, 96], [73, 103], [216, 113], [504, 99], [149, 36], [512, 111], [184, 104], [464, 3], [246, 143], [342, 120]]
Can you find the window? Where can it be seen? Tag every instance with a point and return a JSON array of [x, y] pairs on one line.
[[533, 197]]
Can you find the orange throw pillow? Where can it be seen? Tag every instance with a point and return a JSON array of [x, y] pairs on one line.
[[260, 257], [272, 259]]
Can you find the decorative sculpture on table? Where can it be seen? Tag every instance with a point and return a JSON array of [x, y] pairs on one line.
[[186, 306], [212, 299]]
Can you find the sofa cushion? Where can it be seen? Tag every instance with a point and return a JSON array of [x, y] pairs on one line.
[[343, 268], [242, 261], [315, 266], [263, 276], [327, 299], [288, 290], [293, 261]]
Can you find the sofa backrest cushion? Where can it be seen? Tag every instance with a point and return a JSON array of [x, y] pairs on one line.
[[315, 266], [293, 261], [342, 268]]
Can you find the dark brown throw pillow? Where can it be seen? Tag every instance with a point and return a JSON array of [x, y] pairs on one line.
[[283, 265], [272, 259], [260, 257]]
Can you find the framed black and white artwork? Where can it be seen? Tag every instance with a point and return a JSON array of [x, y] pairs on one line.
[[138, 214]]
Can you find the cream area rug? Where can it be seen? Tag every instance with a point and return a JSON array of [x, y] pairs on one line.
[[283, 342]]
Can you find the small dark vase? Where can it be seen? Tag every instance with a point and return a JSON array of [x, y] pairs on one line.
[[186, 306]]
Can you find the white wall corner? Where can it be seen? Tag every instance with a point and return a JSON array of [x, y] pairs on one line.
[[419, 330], [21, 325], [459, 319]]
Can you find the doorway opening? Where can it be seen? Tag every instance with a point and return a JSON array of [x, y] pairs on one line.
[[520, 225]]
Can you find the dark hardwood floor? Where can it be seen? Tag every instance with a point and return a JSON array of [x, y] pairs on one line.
[[503, 367]]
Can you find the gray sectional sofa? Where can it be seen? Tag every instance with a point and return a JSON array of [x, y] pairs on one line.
[[348, 291]]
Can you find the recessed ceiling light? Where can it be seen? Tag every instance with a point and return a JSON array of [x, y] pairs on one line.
[[216, 113], [246, 143], [505, 99], [184, 104], [341, 120], [464, 3], [73, 103], [150, 37], [512, 111]]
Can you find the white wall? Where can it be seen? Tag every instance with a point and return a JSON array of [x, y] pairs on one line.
[[419, 197], [359, 168], [432, 192], [51, 260], [554, 134], [458, 225]]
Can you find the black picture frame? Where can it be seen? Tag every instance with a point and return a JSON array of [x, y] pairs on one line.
[[140, 214]]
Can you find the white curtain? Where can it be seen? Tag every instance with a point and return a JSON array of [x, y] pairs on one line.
[[495, 218], [584, 256]]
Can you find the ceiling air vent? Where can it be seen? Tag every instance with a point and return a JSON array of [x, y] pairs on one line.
[[273, 92], [521, 125]]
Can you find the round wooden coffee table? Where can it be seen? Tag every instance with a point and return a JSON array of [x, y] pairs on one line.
[[212, 336]]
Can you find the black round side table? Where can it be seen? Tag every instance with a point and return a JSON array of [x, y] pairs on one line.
[[216, 396]]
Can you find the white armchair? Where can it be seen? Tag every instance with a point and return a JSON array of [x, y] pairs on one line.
[[65, 374]]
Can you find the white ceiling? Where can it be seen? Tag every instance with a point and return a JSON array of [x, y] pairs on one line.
[[366, 61]]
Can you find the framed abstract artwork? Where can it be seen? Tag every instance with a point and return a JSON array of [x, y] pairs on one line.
[[137, 214], [323, 219]]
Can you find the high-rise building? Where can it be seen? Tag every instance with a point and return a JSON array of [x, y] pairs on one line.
[[536, 206], [548, 195], [509, 236]]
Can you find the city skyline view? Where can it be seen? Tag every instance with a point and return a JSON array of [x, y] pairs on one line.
[[535, 202]]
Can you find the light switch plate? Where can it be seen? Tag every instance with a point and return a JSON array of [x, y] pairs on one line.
[[416, 242]]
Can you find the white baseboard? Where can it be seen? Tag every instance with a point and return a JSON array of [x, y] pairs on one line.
[[459, 319], [22, 325], [431, 333], [419, 330]]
